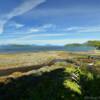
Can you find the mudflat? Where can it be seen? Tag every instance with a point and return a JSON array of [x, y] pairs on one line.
[[29, 59]]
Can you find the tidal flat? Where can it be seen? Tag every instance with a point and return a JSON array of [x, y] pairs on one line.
[[28, 59]]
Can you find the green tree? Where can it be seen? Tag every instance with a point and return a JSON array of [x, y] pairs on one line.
[[94, 43]]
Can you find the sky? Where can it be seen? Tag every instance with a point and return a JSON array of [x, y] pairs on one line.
[[55, 22]]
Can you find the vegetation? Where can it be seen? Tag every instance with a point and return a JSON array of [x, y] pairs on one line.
[[94, 44], [60, 84], [74, 44], [70, 80]]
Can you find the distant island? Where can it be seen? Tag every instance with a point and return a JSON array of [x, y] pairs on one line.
[[91, 43]]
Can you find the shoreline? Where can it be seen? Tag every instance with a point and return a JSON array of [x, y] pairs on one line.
[[22, 62]]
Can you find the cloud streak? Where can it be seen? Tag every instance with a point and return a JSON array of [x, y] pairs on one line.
[[44, 42], [83, 29], [41, 36], [20, 10], [42, 28], [15, 25]]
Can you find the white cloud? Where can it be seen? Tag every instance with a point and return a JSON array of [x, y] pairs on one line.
[[2, 23], [72, 28], [21, 9], [25, 7], [27, 37], [42, 28], [16, 25], [90, 29], [48, 26], [34, 30], [83, 29]]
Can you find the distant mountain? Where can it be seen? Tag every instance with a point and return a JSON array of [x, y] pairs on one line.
[[74, 44], [27, 48], [13, 48]]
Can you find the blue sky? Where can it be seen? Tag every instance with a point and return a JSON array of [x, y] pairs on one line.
[[54, 22]]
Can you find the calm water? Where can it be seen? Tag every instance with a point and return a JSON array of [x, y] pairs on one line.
[[14, 49]]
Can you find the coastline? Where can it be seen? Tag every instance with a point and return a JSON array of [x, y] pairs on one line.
[[24, 62]]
